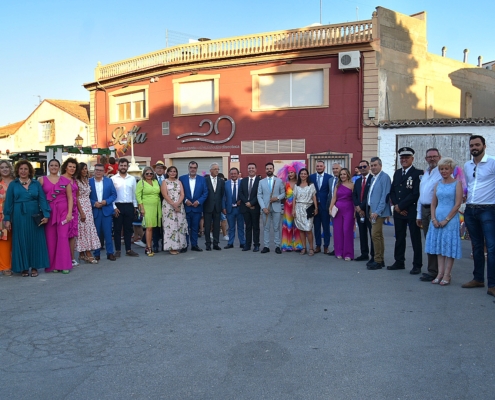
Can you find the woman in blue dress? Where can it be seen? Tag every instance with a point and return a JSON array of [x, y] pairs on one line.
[[443, 235]]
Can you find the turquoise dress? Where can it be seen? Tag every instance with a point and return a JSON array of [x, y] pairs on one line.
[[445, 241], [28, 240]]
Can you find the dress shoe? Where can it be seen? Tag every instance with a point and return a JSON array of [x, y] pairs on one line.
[[415, 271], [246, 248], [278, 251], [111, 257], [184, 250], [229, 246], [325, 250], [131, 253], [216, 247], [473, 284], [256, 248], [332, 253], [195, 248], [491, 291], [265, 250], [317, 249], [426, 278], [376, 265], [117, 254], [362, 258], [394, 267], [155, 249], [370, 262], [242, 246], [208, 247], [97, 258]]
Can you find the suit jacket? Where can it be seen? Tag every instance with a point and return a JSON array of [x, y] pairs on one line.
[[356, 193], [244, 194], [379, 198], [109, 195], [228, 201], [214, 199], [405, 191], [331, 180], [200, 193], [264, 194], [323, 192]]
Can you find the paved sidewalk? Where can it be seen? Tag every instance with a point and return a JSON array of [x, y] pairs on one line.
[[241, 325]]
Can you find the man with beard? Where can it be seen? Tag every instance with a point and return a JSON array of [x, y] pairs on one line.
[[426, 190], [321, 179], [250, 209], [124, 208], [480, 212], [271, 191], [404, 195]]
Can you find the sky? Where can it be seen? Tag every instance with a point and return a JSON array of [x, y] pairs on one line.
[[50, 48]]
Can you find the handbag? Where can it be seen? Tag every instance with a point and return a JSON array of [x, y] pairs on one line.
[[37, 218], [310, 211], [334, 211]]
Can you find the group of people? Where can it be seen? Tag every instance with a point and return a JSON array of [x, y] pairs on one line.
[[67, 212]]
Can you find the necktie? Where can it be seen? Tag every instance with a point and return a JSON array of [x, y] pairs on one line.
[[363, 184], [270, 183], [234, 193], [214, 183], [403, 172], [250, 187], [319, 181]]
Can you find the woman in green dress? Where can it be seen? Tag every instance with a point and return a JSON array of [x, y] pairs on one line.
[[148, 198], [25, 212]]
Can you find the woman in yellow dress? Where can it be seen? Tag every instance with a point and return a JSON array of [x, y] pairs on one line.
[[148, 198]]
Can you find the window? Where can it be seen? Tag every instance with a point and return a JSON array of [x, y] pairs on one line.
[[46, 131], [165, 128], [291, 86], [196, 94], [129, 104]]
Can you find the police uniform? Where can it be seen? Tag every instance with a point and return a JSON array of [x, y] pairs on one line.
[[404, 193]]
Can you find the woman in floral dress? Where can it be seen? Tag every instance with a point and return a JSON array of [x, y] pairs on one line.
[[87, 239], [174, 214], [69, 171], [291, 237]]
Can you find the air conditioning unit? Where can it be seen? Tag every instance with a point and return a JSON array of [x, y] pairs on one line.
[[349, 60]]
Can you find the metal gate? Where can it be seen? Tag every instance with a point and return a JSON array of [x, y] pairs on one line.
[[330, 158], [455, 146]]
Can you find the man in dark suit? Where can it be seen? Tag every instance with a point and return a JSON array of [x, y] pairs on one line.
[[359, 198], [320, 180], [195, 193], [232, 204], [213, 206], [102, 197], [250, 208], [404, 195]]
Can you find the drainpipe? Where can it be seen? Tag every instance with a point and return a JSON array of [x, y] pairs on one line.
[[480, 61], [466, 52], [444, 51]]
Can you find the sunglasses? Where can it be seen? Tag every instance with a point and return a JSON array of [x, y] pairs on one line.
[[474, 172], [149, 173], [362, 167]]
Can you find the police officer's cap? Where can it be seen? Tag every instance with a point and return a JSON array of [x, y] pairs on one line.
[[406, 151]]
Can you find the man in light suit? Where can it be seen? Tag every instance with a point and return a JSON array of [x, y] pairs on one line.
[[321, 179], [250, 208], [377, 210], [232, 204], [359, 198], [332, 183], [271, 191], [195, 194], [213, 206], [102, 197]]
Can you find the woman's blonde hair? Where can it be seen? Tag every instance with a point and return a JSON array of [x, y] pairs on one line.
[[447, 161], [11, 168]]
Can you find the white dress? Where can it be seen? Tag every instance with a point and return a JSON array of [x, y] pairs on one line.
[[303, 197]]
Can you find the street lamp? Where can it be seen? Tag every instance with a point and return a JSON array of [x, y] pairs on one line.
[[133, 169], [79, 141]]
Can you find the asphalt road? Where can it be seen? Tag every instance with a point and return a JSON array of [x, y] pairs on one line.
[[241, 325]]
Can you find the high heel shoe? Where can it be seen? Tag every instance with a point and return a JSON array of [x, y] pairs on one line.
[[437, 280], [443, 282]]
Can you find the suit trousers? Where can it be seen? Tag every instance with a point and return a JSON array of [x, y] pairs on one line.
[[103, 226], [432, 258], [400, 225], [272, 218], [157, 235], [252, 221], [377, 240], [123, 221], [193, 220], [236, 218], [322, 218], [212, 218], [364, 231]]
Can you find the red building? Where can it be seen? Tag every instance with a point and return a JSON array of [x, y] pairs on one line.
[[289, 95]]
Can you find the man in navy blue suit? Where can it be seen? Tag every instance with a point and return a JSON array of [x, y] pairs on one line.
[[232, 204], [359, 198], [195, 194], [320, 180], [102, 196]]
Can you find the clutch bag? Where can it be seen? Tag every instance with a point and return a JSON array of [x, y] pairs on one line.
[[310, 211], [334, 211], [37, 218]]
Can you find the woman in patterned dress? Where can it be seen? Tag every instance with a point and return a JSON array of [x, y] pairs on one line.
[[87, 239], [6, 177], [174, 214], [69, 170], [291, 237], [304, 197]]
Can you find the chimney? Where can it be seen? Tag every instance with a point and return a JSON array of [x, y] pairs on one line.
[[444, 51], [480, 61], [466, 52]]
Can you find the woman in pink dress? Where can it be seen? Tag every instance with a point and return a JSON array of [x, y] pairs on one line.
[[59, 196], [69, 171], [343, 222], [87, 239]]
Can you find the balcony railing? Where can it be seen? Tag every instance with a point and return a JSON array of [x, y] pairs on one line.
[[241, 46]]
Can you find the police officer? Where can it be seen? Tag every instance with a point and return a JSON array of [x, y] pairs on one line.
[[404, 194]]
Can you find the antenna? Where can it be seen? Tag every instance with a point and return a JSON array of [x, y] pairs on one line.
[[320, 11], [39, 98], [357, 13]]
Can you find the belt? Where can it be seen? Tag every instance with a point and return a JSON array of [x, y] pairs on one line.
[[426, 205], [480, 205]]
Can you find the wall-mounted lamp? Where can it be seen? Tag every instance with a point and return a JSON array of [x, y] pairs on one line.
[[79, 141]]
